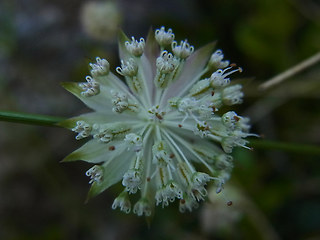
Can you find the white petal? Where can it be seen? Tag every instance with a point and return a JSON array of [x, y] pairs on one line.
[[100, 102], [98, 118], [190, 74], [113, 173], [96, 152]]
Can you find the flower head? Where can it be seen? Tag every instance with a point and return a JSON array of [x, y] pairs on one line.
[[149, 132]]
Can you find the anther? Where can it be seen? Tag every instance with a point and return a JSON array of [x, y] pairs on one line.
[[90, 88], [163, 37], [134, 47], [183, 50], [100, 68]]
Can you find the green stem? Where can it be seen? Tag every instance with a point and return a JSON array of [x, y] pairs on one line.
[[44, 120], [285, 146], [27, 118]]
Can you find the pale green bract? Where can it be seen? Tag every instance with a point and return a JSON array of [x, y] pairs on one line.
[[151, 132]]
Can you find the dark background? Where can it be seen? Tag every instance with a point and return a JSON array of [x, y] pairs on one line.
[[42, 43]]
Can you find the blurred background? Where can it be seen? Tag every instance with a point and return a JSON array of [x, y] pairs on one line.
[[275, 190]]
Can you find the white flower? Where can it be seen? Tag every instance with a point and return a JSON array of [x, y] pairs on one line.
[[123, 202], [148, 133], [135, 47], [164, 38], [216, 60]]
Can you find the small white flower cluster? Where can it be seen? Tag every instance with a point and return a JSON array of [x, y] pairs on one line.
[[148, 133]]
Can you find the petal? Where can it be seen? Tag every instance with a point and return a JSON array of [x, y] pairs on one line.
[[99, 118], [123, 52], [100, 102], [191, 72], [151, 51], [96, 152], [113, 173], [145, 66], [148, 60]]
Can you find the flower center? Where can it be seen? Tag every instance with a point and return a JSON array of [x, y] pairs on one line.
[[156, 114]]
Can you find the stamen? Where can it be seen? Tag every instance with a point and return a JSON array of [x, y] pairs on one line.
[[164, 38], [156, 113], [134, 47], [142, 207], [166, 65], [95, 173], [123, 202], [161, 155], [216, 60], [83, 129], [218, 78], [128, 68], [132, 180], [106, 133], [232, 95], [90, 88], [120, 101], [183, 50], [135, 140], [100, 68]]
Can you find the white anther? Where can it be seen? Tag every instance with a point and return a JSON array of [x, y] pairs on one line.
[[156, 113], [166, 63], [202, 129], [206, 110], [100, 68], [142, 207], [216, 60], [219, 78], [187, 104], [168, 193], [228, 143], [128, 68], [135, 140], [103, 136], [232, 95], [83, 129], [90, 88], [132, 180], [134, 47], [119, 101], [163, 37], [229, 119], [183, 50], [161, 155], [200, 179], [122, 202], [108, 132], [95, 173]]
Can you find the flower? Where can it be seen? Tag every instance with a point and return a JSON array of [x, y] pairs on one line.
[[150, 132]]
